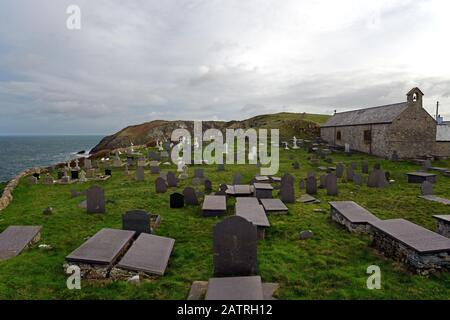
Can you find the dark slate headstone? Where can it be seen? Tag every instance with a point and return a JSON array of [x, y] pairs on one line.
[[140, 173], [136, 220], [235, 248], [199, 173], [357, 179], [354, 166], [74, 175], [365, 167], [208, 186], [190, 197], [323, 181], [237, 179], [331, 185], [130, 161], [311, 185], [171, 180], [339, 170], [176, 200], [350, 173], [427, 188], [377, 178], [160, 185], [95, 198], [287, 191]]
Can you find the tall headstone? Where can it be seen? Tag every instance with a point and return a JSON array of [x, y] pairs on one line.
[[287, 191], [208, 186], [95, 200], [311, 184], [339, 170], [365, 167], [140, 173], [235, 248], [377, 178], [331, 185], [427, 188], [176, 201], [172, 180], [350, 173]]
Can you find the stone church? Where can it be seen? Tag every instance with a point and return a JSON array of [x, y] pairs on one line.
[[405, 128]]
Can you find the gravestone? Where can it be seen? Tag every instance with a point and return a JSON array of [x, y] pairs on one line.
[[354, 166], [208, 186], [160, 185], [357, 179], [350, 173], [311, 184], [365, 167], [140, 173], [427, 188], [32, 180], [287, 191], [130, 161], [155, 170], [237, 178], [426, 165], [154, 156], [190, 197], [198, 173], [377, 178], [323, 181], [171, 180], [95, 199], [331, 185], [339, 170], [235, 248], [176, 200], [136, 220]]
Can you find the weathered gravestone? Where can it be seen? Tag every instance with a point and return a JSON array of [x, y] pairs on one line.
[[208, 186], [365, 167], [427, 188], [235, 248], [311, 184], [377, 178], [140, 173], [172, 180], [190, 197], [323, 181], [95, 200], [287, 191], [350, 173], [160, 185], [176, 200], [331, 184], [339, 170], [357, 179], [136, 220]]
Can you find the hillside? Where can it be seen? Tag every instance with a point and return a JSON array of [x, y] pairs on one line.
[[302, 125]]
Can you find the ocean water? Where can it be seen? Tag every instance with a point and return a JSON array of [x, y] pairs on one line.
[[18, 153]]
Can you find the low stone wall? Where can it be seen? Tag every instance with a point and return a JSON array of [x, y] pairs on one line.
[[423, 264], [443, 228], [7, 196], [352, 227]]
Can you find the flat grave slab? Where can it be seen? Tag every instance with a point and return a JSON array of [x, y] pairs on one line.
[[263, 190], [149, 254], [416, 237], [351, 215], [443, 225], [275, 206], [214, 206], [240, 190], [308, 199], [420, 177], [15, 239], [253, 212], [436, 199], [103, 248], [262, 179], [235, 288]]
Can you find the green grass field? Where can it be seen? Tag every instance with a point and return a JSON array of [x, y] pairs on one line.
[[331, 265]]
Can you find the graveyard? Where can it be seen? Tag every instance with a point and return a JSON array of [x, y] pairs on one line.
[[304, 247]]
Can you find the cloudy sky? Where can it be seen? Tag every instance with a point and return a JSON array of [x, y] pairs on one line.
[[136, 61]]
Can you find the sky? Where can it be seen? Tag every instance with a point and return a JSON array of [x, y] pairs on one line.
[[135, 61]]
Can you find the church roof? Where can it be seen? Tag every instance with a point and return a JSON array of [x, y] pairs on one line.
[[375, 115]]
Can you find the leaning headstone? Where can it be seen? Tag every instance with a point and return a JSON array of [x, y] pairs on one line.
[[311, 184], [160, 185], [331, 185], [136, 220], [427, 188], [235, 248], [172, 180], [176, 201], [339, 170], [140, 173], [95, 197], [190, 197]]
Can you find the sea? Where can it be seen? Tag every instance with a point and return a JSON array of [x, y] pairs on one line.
[[18, 153]]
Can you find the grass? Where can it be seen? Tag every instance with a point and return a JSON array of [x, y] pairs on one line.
[[331, 265]]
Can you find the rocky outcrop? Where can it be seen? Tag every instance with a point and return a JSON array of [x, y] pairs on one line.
[[290, 124]]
